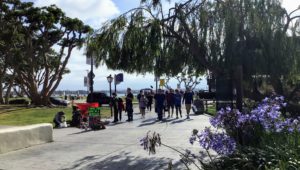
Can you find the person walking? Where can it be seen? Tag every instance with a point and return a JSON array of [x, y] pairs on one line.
[[142, 105], [170, 102], [177, 103], [139, 97], [150, 100], [129, 106], [188, 100], [120, 107], [114, 104], [160, 99]]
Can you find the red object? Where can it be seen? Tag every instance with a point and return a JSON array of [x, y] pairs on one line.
[[83, 107]]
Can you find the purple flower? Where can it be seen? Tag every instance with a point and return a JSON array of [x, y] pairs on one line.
[[192, 139], [219, 142]]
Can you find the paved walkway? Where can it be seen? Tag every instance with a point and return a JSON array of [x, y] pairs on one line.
[[115, 148]]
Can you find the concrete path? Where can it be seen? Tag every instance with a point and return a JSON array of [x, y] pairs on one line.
[[115, 148]]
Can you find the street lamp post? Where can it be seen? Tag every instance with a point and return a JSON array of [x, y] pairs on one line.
[[110, 79]]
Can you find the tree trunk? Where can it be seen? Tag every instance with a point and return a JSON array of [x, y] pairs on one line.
[[8, 93], [294, 92], [1, 92], [40, 100], [239, 87], [277, 85]]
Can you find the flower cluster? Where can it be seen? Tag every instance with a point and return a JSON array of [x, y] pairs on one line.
[[267, 114], [219, 142], [149, 142]]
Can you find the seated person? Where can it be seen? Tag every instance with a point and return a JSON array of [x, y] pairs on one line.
[[59, 119], [76, 116]]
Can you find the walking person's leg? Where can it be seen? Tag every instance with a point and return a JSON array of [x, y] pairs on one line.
[[168, 110], [115, 115], [144, 112], [160, 113], [128, 115], [188, 109], [179, 107], [120, 114]]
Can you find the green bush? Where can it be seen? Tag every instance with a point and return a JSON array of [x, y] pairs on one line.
[[19, 101]]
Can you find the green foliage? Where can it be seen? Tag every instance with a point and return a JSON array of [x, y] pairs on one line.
[[203, 35], [277, 151], [30, 35]]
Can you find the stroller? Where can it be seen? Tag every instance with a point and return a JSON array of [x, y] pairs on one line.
[[89, 121], [198, 107]]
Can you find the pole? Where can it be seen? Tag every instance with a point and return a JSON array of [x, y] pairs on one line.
[[91, 76], [110, 99]]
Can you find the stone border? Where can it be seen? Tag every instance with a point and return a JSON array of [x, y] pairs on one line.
[[15, 138]]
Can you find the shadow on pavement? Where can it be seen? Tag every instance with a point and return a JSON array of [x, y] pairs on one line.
[[148, 123], [83, 131], [124, 161], [149, 120], [115, 124], [181, 120]]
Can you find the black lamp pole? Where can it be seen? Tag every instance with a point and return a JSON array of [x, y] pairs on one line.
[[110, 99], [110, 79]]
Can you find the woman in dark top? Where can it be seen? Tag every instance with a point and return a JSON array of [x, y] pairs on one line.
[[150, 100]]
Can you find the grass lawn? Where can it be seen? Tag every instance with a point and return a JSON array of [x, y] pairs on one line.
[[211, 110], [18, 115]]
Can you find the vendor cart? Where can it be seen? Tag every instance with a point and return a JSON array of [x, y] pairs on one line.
[[90, 116]]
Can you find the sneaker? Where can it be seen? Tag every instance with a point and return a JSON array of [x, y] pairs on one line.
[[177, 117], [188, 117]]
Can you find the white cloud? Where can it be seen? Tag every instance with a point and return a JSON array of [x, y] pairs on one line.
[[92, 12]]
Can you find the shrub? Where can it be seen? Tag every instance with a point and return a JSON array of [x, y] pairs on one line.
[[19, 101], [258, 138]]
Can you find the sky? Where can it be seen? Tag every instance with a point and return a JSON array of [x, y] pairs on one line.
[[94, 13]]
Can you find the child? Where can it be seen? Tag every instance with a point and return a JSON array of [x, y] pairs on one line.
[[143, 104]]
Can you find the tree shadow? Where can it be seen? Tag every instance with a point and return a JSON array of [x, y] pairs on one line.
[[124, 161]]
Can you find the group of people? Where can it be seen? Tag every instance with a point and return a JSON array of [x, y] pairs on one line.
[[60, 120], [165, 101], [168, 100]]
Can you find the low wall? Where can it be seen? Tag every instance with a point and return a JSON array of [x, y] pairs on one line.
[[15, 138]]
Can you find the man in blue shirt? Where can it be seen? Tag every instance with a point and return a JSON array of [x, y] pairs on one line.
[[188, 100], [177, 102], [160, 99]]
